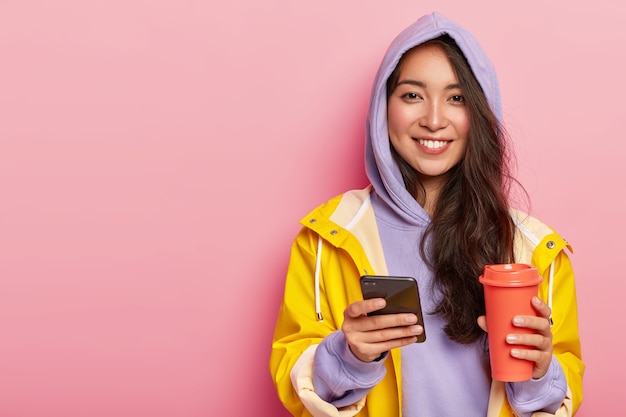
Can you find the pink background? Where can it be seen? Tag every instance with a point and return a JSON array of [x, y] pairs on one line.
[[156, 156]]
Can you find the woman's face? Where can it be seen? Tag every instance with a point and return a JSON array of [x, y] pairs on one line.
[[427, 116]]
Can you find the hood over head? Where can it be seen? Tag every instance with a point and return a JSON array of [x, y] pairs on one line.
[[381, 168]]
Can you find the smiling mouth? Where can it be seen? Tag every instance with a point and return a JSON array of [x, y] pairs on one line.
[[433, 144]]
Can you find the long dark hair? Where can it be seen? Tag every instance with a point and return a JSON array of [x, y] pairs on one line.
[[471, 226]]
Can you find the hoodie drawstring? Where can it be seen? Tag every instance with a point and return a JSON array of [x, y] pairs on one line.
[[318, 264], [550, 290], [318, 256]]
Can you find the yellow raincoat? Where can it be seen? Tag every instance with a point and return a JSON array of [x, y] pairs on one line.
[[338, 243]]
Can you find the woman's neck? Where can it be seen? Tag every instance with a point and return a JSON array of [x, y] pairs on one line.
[[430, 193]]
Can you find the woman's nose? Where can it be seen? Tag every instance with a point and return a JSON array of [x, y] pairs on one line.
[[434, 117]]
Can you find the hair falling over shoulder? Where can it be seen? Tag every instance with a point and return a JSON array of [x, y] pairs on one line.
[[471, 226]]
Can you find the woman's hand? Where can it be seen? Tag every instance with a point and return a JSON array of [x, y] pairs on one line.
[[539, 342], [370, 336]]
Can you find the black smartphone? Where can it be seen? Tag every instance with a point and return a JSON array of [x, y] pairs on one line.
[[401, 294]]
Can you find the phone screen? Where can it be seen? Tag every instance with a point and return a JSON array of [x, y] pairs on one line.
[[401, 294]]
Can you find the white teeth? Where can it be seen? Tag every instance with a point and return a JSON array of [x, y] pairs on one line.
[[433, 144]]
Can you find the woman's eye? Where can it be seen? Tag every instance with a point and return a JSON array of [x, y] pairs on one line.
[[458, 98], [411, 96]]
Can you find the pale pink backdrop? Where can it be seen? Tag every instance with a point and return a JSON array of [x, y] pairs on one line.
[[156, 156]]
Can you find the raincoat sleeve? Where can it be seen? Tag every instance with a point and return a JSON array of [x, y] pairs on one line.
[[553, 263], [298, 333], [565, 338]]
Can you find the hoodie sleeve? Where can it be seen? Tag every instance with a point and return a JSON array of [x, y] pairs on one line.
[[543, 394], [341, 378]]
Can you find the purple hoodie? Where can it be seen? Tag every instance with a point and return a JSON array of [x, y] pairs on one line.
[[439, 376]]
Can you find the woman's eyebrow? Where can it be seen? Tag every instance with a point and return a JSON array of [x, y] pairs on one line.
[[423, 85], [412, 82]]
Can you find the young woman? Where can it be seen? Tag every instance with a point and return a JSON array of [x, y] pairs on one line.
[[438, 210]]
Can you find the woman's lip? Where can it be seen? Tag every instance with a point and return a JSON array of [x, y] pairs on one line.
[[433, 146]]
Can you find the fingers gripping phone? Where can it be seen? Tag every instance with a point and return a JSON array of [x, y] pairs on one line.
[[400, 293]]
